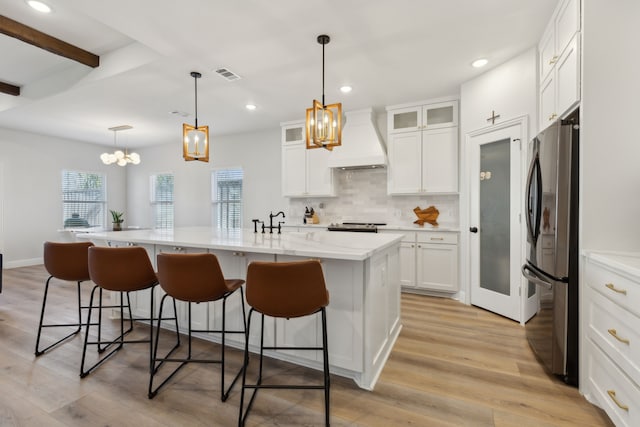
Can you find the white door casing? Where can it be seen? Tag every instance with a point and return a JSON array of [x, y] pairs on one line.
[[517, 305]]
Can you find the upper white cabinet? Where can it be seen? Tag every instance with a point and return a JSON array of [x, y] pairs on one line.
[[304, 172], [559, 59], [421, 117], [423, 149]]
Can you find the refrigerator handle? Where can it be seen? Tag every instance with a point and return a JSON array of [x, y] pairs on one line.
[[530, 275], [534, 212]]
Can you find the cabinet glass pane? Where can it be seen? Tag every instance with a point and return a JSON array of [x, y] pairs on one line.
[[436, 116], [494, 216], [293, 134], [405, 120]]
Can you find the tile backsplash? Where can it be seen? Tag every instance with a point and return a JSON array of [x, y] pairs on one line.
[[362, 196]]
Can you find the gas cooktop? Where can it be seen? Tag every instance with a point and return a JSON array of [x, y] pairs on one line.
[[355, 226]]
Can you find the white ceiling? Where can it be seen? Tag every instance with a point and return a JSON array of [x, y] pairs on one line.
[[390, 51]]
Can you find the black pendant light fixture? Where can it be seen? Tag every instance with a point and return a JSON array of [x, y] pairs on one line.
[[195, 139], [324, 122]]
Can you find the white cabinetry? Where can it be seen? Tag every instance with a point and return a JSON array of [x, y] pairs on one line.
[[611, 321], [437, 265], [429, 261], [304, 172], [423, 148], [559, 57]]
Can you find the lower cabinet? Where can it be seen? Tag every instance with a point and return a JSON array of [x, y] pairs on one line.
[[429, 260], [611, 321], [437, 261]]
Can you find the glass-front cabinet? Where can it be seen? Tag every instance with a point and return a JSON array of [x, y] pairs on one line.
[[423, 117]]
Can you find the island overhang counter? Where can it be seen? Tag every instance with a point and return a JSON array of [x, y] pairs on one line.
[[361, 272]]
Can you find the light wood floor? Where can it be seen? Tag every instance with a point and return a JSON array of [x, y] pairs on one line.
[[453, 365]]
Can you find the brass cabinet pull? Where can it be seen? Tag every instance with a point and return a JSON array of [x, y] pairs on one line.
[[553, 116], [612, 395], [436, 238], [553, 60], [614, 289], [614, 334], [178, 248], [238, 254]]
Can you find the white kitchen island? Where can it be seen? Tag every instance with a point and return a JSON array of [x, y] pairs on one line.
[[362, 275]]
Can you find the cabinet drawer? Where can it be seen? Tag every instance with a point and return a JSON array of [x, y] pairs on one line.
[[436, 237], [616, 331], [617, 395], [617, 287]]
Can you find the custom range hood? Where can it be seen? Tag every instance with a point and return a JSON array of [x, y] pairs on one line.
[[362, 146]]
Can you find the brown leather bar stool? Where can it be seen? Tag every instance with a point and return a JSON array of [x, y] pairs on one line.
[[195, 278], [123, 270], [285, 290], [64, 261]]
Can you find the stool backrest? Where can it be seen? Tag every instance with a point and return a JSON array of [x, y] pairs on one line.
[[67, 261], [191, 277], [286, 289], [121, 269]]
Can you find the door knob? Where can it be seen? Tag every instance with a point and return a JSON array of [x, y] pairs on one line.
[[473, 229]]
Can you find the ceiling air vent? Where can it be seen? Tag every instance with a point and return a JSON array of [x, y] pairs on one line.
[[227, 74]]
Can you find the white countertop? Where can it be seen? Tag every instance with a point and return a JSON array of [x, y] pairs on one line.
[[316, 243], [401, 227], [628, 262]]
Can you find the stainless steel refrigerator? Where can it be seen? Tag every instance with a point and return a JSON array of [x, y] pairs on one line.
[[552, 246]]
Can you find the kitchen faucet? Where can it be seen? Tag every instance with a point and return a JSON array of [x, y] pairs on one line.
[[271, 226]]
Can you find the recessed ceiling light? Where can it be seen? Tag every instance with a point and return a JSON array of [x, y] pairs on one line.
[[479, 63], [250, 107], [39, 6], [346, 89]]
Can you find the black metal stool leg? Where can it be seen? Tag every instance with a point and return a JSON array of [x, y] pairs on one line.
[[41, 324]]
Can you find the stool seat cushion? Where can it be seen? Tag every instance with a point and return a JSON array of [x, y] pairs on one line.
[[67, 261], [194, 277], [124, 269], [286, 289]]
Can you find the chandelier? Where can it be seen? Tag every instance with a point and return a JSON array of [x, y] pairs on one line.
[[119, 157], [195, 140], [324, 122]]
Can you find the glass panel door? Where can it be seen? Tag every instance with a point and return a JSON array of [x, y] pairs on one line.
[[495, 204]]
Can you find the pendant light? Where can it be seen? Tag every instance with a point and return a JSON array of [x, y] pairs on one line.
[[195, 139], [119, 157], [324, 122]]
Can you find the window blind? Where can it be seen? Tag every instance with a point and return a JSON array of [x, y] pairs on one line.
[[162, 200], [83, 199], [227, 197]]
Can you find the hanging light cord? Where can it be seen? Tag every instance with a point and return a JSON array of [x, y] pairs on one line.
[[195, 78], [323, 104]]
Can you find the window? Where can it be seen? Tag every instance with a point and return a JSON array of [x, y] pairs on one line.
[[226, 188], [84, 199], [162, 200]]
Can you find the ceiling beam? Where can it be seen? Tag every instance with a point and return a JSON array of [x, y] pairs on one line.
[[9, 89], [44, 41]]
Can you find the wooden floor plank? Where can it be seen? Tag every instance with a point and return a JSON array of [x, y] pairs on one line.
[[453, 365]]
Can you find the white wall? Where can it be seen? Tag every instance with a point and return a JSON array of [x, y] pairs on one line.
[[32, 202], [258, 154], [610, 146], [510, 90]]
